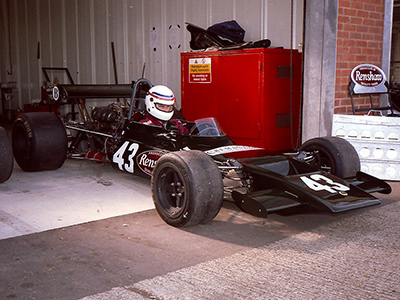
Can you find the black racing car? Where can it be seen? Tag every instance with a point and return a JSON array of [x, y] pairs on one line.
[[192, 172]]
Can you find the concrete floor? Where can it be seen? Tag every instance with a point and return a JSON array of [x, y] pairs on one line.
[[89, 231], [79, 192]]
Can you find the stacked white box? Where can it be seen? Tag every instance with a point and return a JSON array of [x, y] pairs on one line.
[[377, 141]]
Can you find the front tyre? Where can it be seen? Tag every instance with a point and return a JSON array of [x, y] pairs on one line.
[[333, 155], [187, 188], [6, 156], [39, 141]]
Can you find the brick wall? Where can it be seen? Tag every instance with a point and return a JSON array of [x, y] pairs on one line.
[[360, 33]]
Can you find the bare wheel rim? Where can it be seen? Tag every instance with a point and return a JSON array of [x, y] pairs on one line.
[[171, 191], [323, 160]]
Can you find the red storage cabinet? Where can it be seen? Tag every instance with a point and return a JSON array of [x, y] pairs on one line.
[[253, 93]]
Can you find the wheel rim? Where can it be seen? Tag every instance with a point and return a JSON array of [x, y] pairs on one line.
[[171, 192], [323, 160]]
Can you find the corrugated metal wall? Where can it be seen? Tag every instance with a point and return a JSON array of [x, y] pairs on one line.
[[78, 34]]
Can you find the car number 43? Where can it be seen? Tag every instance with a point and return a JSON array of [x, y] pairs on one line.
[[118, 156], [318, 182]]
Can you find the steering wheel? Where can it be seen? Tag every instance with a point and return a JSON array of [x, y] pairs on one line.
[[169, 126], [207, 129]]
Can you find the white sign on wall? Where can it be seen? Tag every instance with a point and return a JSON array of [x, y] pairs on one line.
[[368, 79]]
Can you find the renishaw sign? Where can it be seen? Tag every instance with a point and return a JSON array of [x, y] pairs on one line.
[[368, 79]]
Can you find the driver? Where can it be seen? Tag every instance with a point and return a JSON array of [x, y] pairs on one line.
[[160, 103]]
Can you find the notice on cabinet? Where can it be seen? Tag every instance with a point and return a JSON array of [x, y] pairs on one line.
[[200, 70]]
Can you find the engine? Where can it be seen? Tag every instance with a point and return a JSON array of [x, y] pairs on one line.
[[105, 114], [109, 118], [99, 130], [95, 138]]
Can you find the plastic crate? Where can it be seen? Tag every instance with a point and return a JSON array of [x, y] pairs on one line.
[[376, 140]]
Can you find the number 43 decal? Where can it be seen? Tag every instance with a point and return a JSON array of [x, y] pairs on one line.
[[118, 157], [314, 183]]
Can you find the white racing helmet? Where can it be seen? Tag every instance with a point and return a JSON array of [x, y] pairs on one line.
[[160, 102]]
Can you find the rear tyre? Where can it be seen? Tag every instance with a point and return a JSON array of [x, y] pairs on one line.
[[39, 141], [333, 155], [6, 156], [187, 188]]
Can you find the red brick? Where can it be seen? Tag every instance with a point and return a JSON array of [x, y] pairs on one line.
[[376, 2], [356, 50], [353, 64], [362, 14], [349, 43], [339, 110], [343, 34], [373, 44], [356, 20], [352, 27], [342, 65], [376, 16], [375, 59], [362, 28], [369, 22], [361, 101], [343, 19], [361, 58], [349, 57], [343, 72], [357, 5], [344, 3], [349, 12], [341, 81], [367, 51], [343, 50], [341, 95], [374, 29], [346, 102], [369, 7], [355, 35], [361, 43], [344, 87], [379, 23]]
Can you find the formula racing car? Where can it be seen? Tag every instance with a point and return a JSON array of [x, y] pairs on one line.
[[191, 172]]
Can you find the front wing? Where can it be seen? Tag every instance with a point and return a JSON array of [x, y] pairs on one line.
[[318, 190]]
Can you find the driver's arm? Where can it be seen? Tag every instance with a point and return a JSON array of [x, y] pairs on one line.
[[180, 126]]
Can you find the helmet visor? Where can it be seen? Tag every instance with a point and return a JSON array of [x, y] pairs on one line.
[[165, 108]]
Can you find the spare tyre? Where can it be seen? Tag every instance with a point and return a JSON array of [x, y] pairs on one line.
[[39, 141], [6, 156]]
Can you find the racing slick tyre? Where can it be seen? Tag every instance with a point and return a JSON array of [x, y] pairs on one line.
[[39, 141], [333, 155], [6, 156], [187, 188]]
